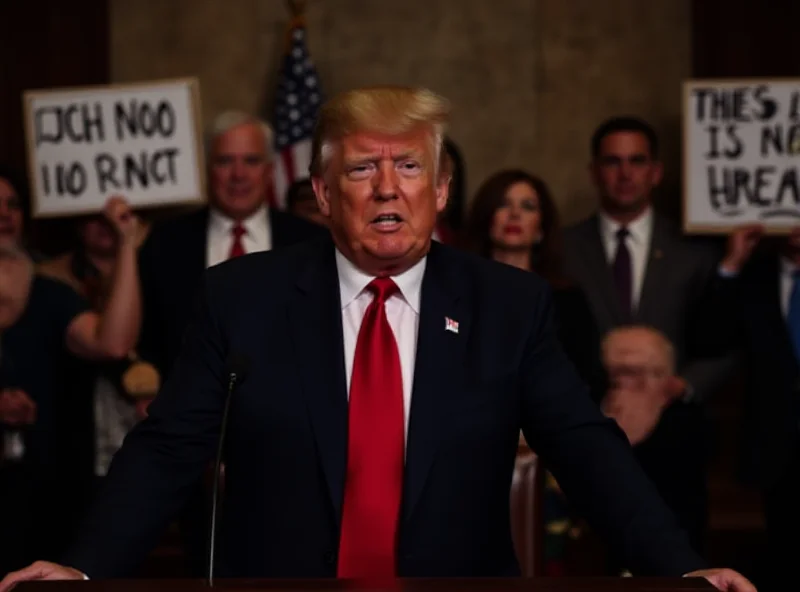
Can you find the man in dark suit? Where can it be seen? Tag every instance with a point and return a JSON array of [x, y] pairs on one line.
[[237, 221], [637, 268], [764, 320], [376, 431], [178, 251]]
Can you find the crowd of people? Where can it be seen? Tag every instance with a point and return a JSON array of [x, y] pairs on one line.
[[654, 322]]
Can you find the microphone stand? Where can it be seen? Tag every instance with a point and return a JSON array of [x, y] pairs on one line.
[[232, 378]]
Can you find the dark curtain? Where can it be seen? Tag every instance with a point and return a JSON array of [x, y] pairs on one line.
[[739, 38], [47, 43]]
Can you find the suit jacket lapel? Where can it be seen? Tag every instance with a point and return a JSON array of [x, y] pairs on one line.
[[277, 228], [656, 284], [316, 322], [594, 251], [197, 251], [440, 363]]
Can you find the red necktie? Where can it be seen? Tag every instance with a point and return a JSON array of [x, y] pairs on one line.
[[375, 451], [237, 248]]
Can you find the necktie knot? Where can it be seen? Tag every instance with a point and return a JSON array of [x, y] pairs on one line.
[[622, 234], [383, 288], [238, 231]]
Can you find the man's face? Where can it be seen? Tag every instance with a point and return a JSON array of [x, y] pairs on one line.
[[636, 357], [381, 196], [625, 172], [10, 215], [240, 175]]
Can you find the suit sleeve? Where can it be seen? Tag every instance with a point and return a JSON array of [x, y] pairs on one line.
[[580, 337], [161, 459], [591, 459], [712, 361], [150, 346]]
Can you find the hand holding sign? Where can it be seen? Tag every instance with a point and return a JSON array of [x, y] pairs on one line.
[[741, 244], [124, 221]]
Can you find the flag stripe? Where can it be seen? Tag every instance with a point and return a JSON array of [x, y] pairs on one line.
[[297, 102]]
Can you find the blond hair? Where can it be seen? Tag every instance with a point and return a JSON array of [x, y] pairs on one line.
[[389, 110], [227, 120]]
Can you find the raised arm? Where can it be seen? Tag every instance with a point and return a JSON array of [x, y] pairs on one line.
[[113, 332]]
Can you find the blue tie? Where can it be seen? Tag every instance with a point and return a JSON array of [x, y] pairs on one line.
[[793, 317]]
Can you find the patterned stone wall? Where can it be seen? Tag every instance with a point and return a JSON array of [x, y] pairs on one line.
[[529, 79]]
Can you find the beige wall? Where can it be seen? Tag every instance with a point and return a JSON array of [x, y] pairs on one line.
[[529, 79]]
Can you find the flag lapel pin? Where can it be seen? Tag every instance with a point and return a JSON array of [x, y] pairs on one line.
[[450, 325]]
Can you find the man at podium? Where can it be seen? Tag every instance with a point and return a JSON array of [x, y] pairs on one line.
[[375, 431]]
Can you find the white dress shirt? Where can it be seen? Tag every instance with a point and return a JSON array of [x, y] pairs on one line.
[[402, 311], [114, 416], [257, 236], [640, 234], [787, 281]]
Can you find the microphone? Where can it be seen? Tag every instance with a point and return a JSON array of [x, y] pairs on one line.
[[236, 367]]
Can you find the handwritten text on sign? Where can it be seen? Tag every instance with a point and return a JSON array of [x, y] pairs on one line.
[[743, 151], [87, 145]]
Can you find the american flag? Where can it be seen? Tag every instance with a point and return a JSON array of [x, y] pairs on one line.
[[450, 325], [296, 104]]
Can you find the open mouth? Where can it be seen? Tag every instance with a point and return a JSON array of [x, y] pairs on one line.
[[387, 221]]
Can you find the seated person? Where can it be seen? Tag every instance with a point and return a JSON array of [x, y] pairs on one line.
[[640, 364]]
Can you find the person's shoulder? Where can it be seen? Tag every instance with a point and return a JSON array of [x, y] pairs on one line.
[[580, 227], [59, 268], [573, 235], [50, 295], [265, 268], [44, 285], [490, 278], [175, 226], [695, 249], [294, 227], [569, 293]]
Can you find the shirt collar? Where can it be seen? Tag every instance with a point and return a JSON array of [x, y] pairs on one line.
[[353, 281], [788, 268], [256, 224], [639, 230]]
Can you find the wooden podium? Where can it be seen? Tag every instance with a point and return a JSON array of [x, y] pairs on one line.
[[404, 585]]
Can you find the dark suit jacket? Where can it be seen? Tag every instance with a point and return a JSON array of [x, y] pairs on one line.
[[286, 450], [577, 331], [172, 263], [772, 377], [679, 296]]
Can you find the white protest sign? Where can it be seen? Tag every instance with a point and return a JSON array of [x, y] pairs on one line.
[[141, 141], [741, 154]]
